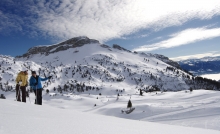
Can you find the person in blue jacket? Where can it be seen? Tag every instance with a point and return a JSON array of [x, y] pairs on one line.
[[35, 84]]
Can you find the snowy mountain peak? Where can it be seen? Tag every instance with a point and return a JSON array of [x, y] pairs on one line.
[[71, 43]]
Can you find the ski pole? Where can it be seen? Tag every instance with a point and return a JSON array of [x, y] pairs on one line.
[[29, 95], [18, 93], [36, 95]]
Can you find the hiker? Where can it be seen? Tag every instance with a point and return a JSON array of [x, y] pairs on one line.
[[35, 84], [21, 85]]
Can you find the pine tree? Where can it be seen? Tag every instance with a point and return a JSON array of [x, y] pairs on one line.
[[129, 104], [141, 93], [191, 89]]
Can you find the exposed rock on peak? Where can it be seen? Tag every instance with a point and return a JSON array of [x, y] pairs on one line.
[[120, 48], [79, 41], [71, 43]]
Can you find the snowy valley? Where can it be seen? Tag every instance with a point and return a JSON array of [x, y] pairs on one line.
[[203, 67]]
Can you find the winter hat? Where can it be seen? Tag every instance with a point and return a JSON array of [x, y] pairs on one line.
[[33, 72]]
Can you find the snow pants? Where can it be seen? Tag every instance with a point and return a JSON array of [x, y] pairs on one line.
[[20, 91], [38, 94]]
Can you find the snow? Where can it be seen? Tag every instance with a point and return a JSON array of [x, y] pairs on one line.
[[212, 76], [74, 111], [20, 118], [198, 109]]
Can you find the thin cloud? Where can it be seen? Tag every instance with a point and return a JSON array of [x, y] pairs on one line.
[[183, 38], [196, 56], [105, 20], [9, 23]]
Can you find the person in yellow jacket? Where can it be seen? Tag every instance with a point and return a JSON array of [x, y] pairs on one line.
[[22, 82]]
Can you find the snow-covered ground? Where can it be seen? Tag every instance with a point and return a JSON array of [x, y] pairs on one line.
[[200, 108], [88, 79], [212, 76], [20, 118]]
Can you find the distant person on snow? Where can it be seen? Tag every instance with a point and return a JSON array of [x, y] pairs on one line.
[[21, 85], [35, 84]]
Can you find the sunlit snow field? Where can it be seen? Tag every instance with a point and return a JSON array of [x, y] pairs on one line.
[[200, 108]]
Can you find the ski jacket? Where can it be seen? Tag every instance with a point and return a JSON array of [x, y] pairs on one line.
[[37, 81], [22, 77]]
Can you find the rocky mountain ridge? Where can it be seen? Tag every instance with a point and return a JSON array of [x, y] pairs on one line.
[[71, 43]]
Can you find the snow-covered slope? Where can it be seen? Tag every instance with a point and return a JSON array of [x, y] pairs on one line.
[[19, 118], [95, 78], [102, 67], [97, 66]]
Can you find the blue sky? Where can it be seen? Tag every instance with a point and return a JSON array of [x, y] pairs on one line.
[[174, 28]]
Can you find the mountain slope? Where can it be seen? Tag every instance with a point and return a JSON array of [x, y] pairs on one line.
[[102, 67], [90, 65]]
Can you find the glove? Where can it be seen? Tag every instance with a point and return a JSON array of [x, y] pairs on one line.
[[35, 84], [26, 85], [49, 77], [18, 84]]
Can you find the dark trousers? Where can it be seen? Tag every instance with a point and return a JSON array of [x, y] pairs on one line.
[[20, 91], [38, 94]]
